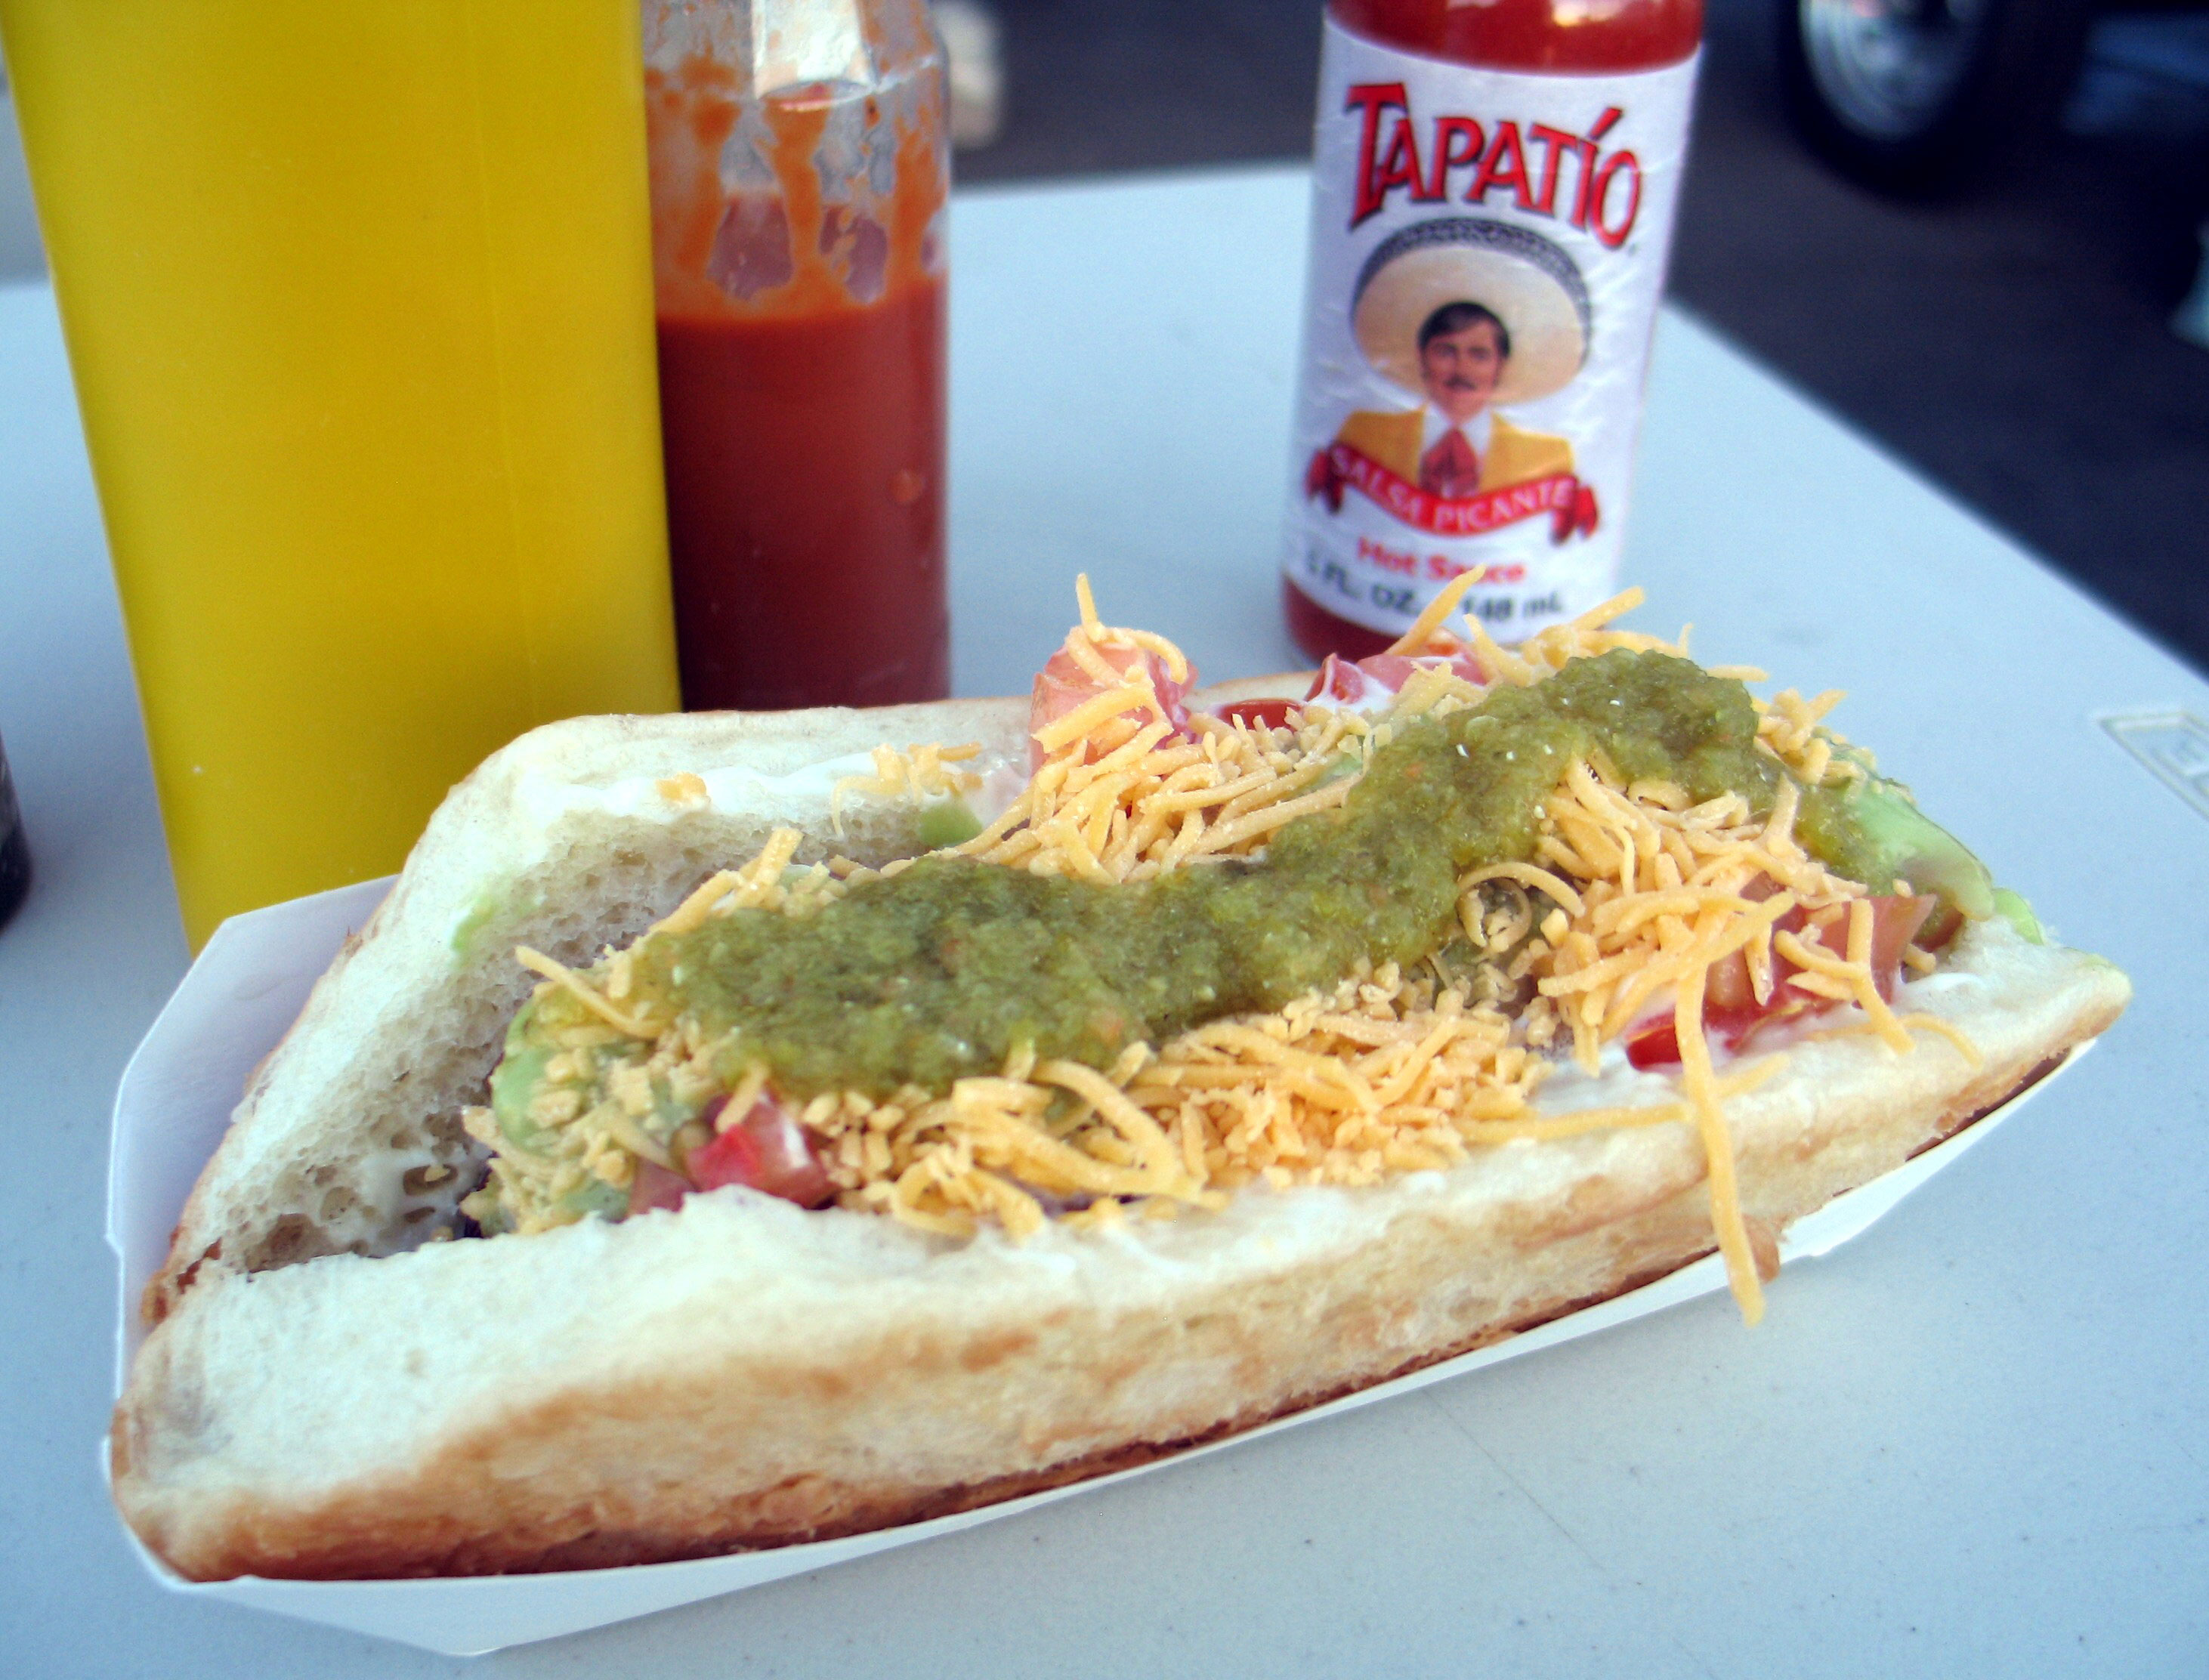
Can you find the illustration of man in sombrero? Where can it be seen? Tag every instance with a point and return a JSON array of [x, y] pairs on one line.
[[1466, 315]]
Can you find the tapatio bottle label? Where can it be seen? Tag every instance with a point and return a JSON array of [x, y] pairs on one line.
[[1488, 249]]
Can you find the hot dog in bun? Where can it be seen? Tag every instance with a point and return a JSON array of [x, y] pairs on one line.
[[734, 1130]]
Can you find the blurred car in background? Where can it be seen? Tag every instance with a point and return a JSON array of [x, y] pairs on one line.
[[1911, 95]]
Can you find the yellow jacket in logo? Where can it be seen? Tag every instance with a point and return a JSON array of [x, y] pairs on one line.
[[1513, 456]]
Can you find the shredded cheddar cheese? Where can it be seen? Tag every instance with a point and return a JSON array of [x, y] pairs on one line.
[[922, 771], [1635, 904], [1151, 799]]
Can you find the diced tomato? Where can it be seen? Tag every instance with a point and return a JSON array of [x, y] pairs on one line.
[[767, 1150], [1459, 654], [1389, 670], [732, 1157], [1381, 676], [1339, 681], [1898, 919], [655, 1188], [1732, 1013], [1656, 1045], [1261, 713], [1895, 919], [1062, 686]]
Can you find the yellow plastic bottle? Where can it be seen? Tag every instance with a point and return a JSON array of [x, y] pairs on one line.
[[358, 301]]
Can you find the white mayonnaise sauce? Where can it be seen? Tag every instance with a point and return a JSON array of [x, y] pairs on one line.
[[737, 787], [1616, 1083]]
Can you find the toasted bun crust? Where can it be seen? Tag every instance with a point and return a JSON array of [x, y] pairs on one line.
[[742, 1374]]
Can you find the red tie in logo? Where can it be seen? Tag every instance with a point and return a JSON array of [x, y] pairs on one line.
[[1450, 469]]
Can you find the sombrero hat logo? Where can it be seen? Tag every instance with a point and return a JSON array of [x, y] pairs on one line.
[[1529, 284]]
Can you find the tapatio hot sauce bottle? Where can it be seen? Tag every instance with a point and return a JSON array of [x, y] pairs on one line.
[[1493, 190]]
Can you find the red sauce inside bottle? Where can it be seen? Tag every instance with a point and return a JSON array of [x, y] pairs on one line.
[[805, 504], [803, 424], [1567, 37]]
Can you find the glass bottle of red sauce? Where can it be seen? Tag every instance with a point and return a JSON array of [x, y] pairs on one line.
[[800, 161], [1492, 202]]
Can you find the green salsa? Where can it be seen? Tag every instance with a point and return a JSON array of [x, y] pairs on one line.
[[940, 971]]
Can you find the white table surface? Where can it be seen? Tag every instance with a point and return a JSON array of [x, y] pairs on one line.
[[1975, 1442]]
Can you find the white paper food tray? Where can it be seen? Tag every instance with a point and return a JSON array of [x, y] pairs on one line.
[[236, 1003]]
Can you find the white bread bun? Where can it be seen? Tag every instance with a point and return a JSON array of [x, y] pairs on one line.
[[563, 841], [740, 1373]]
